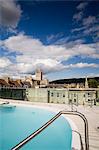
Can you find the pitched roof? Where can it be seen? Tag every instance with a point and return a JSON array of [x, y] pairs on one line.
[[3, 82], [14, 83]]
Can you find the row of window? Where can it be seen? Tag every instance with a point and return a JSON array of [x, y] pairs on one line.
[[75, 94], [70, 101], [57, 102], [52, 94]]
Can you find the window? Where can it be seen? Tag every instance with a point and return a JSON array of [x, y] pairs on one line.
[[57, 94], [52, 94], [74, 100], [63, 95], [74, 95], [70, 100], [89, 94]]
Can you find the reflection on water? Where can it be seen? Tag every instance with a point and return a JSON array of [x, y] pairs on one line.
[[7, 108]]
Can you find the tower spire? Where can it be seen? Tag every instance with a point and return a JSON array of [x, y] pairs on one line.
[[86, 83]]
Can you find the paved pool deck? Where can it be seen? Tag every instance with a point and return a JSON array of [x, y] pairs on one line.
[[91, 113]]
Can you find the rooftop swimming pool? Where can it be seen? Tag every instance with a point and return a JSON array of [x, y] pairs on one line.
[[16, 123]]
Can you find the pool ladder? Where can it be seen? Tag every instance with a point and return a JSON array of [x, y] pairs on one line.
[[34, 134]]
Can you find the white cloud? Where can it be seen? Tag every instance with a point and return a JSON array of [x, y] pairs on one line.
[[82, 6], [78, 29], [32, 53], [10, 13], [89, 20], [23, 44], [47, 65], [54, 37], [32, 49], [89, 26], [4, 62], [83, 65], [78, 16], [93, 29]]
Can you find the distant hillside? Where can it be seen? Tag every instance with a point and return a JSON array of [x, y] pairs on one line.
[[73, 80]]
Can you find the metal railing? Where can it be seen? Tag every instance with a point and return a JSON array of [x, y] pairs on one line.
[[34, 134], [81, 143]]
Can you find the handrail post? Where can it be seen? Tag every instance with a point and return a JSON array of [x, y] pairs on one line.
[[85, 126]]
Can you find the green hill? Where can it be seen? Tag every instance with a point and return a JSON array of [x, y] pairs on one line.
[[73, 80]]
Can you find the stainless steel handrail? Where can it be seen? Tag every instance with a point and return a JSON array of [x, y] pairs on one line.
[[22, 143], [81, 143]]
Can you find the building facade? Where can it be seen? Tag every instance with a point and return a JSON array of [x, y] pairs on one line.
[[37, 94], [61, 96], [81, 97]]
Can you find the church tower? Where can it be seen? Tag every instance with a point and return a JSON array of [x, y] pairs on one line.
[[38, 75]]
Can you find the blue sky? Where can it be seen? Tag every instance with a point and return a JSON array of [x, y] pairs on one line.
[[60, 37]]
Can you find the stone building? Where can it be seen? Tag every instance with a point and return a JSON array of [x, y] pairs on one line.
[[39, 75], [58, 96], [37, 94], [41, 82], [3, 83], [36, 82], [62, 96], [81, 96]]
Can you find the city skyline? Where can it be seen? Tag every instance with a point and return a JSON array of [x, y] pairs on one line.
[[59, 37]]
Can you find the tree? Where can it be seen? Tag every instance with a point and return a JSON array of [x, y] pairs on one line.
[[93, 83]]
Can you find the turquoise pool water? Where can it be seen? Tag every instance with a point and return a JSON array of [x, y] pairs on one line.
[[19, 122]]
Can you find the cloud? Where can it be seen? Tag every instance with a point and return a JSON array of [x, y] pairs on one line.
[[23, 44], [84, 65], [31, 53], [93, 29], [89, 26], [34, 48], [89, 20], [78, 16], [10, 13], [54, 37], [4, 62], [78, 29], [46, 65], [82, 6]]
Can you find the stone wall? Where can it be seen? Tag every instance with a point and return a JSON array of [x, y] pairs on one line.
[[37, 94]]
